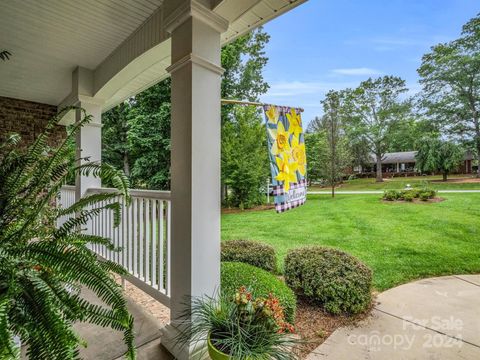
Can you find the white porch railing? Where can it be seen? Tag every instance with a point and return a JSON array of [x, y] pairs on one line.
[[143, 236], [67, 198]]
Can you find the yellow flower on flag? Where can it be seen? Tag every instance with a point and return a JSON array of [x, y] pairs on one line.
[[299, 155], [280, 139], [295, 121], [272, 114], [286, 171]]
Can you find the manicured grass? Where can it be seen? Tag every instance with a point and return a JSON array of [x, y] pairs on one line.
[[399, 241], [400, 183]]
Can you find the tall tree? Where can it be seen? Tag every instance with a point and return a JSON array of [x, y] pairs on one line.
[[316, 149], [243, 61], [338, 157], [245, 158], [116, 150], [406, 133], [136, 137], [436, 155], [372, 111], [450, 75], [149, 137]]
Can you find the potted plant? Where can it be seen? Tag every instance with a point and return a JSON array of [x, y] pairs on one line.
[[243, 327]]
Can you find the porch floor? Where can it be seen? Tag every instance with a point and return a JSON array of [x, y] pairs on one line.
[[107, 344]]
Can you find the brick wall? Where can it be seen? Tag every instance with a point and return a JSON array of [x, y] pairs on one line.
[[28, 119]]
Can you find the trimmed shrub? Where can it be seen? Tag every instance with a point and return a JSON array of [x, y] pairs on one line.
[[260, 282], [424, 196], [250, 252], [338, 281], [415, 193], [430, 192], [408, 195], [391, 195]]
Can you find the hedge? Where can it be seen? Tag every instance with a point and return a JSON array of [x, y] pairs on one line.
[[250, 252]]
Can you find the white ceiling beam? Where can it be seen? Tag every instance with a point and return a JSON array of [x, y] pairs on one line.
[[147, 36]]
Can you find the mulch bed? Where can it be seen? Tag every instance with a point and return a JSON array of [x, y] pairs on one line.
[[314, 325], [256, 208]]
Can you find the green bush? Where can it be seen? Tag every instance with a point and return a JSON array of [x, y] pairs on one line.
[[391, 195], [337, 280], [430, 192], [260, 283], [424, 196], [250, 252], [415, 193], [408, 195]]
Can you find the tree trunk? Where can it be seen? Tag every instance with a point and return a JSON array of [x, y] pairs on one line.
[[379, 168], [478, 156], [332, 179], [126, 164], [222, 192], [476, 124], [445, 176]]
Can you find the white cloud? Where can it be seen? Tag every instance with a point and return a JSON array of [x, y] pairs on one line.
[[361, 71]]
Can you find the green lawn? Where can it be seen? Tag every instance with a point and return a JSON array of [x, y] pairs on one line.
[[401, 182], [399, 241]]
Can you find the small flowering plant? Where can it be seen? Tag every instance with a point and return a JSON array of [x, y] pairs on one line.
[[265, 311], [245, 327]]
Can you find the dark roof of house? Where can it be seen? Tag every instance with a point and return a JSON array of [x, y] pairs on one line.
[[397, 157], [407, 157]]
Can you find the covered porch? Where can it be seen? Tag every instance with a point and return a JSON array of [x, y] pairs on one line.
[[95, 55]]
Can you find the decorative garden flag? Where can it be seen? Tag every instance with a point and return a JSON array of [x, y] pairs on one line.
[[288, 161]]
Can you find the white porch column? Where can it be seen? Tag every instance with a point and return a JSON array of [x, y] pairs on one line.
[[88, 144], [89, 139], [195, 169]]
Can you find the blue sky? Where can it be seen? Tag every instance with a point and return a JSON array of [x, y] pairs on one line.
[[334, 44]]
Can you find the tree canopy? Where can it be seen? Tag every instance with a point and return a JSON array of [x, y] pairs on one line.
[[245, 158], [436, 155], [373, 109], [450, 76]]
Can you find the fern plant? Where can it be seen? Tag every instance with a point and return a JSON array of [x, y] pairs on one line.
[[43, 268]]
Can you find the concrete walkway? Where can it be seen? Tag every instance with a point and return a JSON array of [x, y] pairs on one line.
[[359, 192], [434, 319], [107, 344]]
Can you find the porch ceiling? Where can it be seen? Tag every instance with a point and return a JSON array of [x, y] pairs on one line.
[[123, 42]]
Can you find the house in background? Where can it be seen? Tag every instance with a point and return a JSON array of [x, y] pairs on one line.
[[403, 164]]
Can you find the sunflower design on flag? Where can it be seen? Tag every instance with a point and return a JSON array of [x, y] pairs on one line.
[[288, 161]]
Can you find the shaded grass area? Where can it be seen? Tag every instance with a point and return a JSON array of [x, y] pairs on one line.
[[399, 241], [435, 182]]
